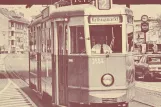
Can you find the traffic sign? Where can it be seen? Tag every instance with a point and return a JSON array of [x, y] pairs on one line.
[[144, 27], [144, 18]]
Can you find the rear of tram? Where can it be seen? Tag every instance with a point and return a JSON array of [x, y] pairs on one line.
[[105, 76]]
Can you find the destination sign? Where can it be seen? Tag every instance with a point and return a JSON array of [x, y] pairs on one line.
[[144, 26], [104, 19], [74, 2]]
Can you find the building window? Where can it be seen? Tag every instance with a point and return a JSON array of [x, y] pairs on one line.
[[22, 26], [16, 25], [18, 40], [12, 42], [12, 24], [12, 33], [42, 48], [44, 24]]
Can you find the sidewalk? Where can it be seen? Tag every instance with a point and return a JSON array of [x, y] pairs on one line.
[[2, 56]]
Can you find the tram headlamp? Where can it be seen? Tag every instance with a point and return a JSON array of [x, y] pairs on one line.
[[107, 80], [66, 19]]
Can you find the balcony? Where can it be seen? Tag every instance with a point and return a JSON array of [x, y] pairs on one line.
[[13, 46], [12, 28], [12, 38]]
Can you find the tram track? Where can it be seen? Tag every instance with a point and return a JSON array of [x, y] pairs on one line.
[[12, 95]]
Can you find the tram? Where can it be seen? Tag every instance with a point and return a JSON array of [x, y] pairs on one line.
[[65, 67]]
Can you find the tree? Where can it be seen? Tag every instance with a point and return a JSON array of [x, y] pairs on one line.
[[158, 19]]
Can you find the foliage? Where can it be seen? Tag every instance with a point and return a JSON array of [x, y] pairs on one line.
[[158, 19]]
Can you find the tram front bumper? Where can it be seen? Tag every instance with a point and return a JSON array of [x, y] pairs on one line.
[[109, 97]]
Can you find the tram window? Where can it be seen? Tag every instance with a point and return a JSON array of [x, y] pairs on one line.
[[12, 42], [49, 42], [149, 47], [130, 41], [159, 47], [130, 44], [143, 60], [108, 35], [77, 40]]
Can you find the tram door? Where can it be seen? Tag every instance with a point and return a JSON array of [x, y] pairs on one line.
[[39, 88], [62, 62]]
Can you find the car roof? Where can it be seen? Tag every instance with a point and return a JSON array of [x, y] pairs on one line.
[[153, 55]]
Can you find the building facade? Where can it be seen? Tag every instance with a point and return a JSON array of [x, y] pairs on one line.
[[14, 32]]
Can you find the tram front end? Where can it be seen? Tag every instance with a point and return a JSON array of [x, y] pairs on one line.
[[103, 74], [101, 80]]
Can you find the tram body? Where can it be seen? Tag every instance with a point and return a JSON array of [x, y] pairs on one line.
[[79, 75]]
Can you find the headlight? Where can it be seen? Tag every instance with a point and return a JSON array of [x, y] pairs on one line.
[[107, 79]]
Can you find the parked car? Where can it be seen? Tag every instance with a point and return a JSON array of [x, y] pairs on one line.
[[149, 67]]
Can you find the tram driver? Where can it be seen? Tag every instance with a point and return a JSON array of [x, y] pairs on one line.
[[101, 47]]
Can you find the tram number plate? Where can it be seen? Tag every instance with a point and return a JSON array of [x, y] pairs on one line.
[[109, 100], [97, 61]]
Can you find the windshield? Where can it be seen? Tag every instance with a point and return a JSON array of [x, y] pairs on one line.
[[106, 39], [154, 60]]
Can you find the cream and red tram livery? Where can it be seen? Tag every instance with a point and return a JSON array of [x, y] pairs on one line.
[[89, 63]]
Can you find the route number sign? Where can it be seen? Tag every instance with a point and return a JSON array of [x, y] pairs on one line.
[[144, 26], [144, 18], [104, 4]]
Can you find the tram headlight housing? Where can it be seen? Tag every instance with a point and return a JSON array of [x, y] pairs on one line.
[[107, 80]]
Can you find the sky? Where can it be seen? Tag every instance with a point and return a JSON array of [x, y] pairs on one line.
[[139, 10], [150, 10], [28, 12]]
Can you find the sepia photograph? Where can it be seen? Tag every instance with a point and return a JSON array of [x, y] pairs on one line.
[[80, 53]]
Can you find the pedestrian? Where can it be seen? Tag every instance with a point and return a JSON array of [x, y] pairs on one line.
[[155, 48]]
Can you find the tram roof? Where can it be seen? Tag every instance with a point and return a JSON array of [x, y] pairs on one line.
[[87, 9], [36, 21], [81, 10]]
